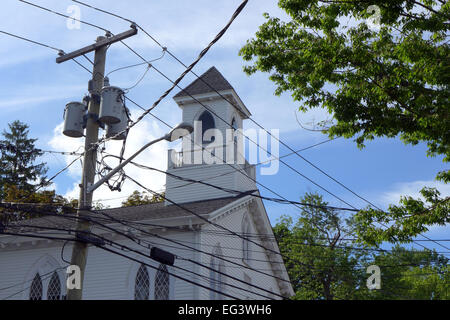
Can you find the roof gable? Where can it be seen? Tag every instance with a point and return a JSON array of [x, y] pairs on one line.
[[210, 81]]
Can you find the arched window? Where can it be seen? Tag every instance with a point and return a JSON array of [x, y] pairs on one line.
[[54, 288], [142, 284], [234, 124], [36, 288], [207, 123], [234, 127], [212, 279], [162, 283], [216, 275], [246, 229]]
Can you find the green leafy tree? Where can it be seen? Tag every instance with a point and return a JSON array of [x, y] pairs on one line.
[[17, 162], [325, 261], [139, 198], [320, 262], [412, 274], [390, 81]]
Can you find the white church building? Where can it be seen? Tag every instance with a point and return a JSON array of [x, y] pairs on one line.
[[210, 263]]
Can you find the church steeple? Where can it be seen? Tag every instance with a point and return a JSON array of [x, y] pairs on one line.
[[212, 106]]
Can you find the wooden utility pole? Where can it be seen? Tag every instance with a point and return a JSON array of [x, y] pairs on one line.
[[80, 248]]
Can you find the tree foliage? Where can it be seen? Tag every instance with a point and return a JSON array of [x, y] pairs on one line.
[[389, 81], [324, 261], [139, 198], [17, 162], [419, 275], [320, 262]]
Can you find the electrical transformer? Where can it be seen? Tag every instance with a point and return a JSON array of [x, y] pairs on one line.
[[73, 119], [113, 129], [111, 105]]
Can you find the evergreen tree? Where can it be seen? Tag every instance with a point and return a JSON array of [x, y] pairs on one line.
[[17, 161]]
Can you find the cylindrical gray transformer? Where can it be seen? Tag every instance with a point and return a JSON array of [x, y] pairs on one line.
[[111, 105], [73, 119], [113, 129]]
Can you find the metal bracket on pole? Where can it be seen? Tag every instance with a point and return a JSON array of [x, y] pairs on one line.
[[93, 47]]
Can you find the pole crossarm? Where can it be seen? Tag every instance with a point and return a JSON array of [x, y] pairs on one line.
[[95, 46]]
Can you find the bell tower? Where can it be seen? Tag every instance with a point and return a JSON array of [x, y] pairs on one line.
[[213, 153]]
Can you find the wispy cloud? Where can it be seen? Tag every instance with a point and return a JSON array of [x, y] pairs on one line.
[[412, 189]]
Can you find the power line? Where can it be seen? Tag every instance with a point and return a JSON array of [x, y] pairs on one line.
[[137, 64], [23, 1], [188, 68], [133, 224], [219, 256], [32, 41], [237, 192], [133, 250], [134, 239], [130, 249], [283, 143], [65, 16], [167, 239], [60, 51], [45, 276], [141, 262]]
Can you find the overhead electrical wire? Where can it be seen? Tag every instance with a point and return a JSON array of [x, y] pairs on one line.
[[146, 255], [282, 142], [60, 51], [137, 64], [189, 70], [44, 277], [127, 236], [121, 233], [218, 36], [133, 224], [27, 2], [32, 41], [130, 249], [64, 15]]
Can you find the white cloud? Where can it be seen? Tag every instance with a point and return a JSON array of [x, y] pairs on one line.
[[155, 156], [412, 189], [29, 96]]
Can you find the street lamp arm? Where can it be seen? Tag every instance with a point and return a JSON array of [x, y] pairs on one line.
[[177, 132], [120, 166]]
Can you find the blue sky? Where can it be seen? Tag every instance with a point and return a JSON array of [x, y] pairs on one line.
[[34, 89]]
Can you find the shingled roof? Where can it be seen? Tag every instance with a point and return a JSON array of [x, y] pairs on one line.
[[212, 77], [136, 213]]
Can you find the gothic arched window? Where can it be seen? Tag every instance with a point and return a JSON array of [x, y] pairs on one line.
[[36, 288], [54, 288], [234, 126], [216, 275], [142, 284], [162, 283], [246, 229], [207, 123]]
